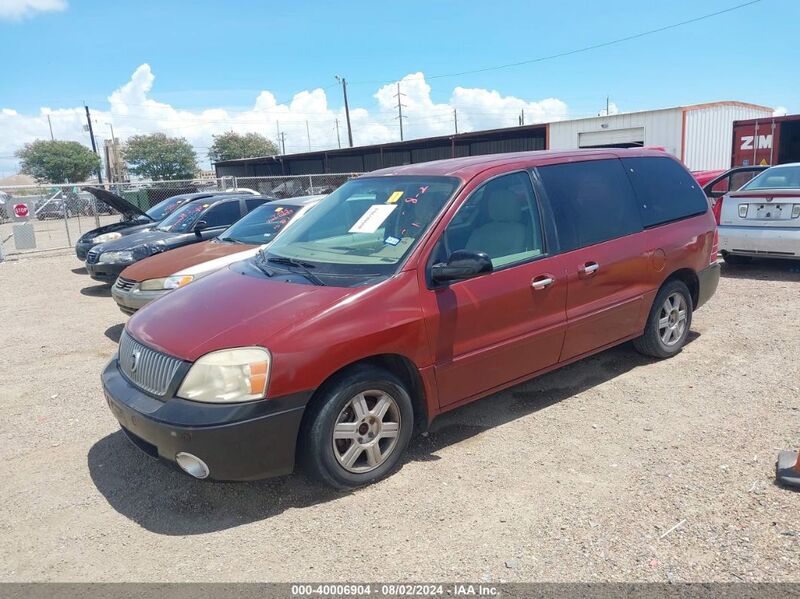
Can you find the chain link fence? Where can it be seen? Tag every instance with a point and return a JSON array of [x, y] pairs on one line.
[[60, 214]]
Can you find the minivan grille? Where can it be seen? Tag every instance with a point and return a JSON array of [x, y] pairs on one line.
[[92, 256], [147, 369], [124, 284]]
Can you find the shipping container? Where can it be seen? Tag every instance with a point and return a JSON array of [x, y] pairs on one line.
[[766, 141]]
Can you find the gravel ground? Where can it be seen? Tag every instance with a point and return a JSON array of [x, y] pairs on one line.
[[617, 468]]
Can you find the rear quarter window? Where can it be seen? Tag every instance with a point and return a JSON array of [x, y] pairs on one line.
[[591, 201], [666, 191]]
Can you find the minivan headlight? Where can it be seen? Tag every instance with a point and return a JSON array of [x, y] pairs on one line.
[[105, 237], [115, 257], [228, 376]]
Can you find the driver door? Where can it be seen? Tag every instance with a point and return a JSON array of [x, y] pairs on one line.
[[502, 326]]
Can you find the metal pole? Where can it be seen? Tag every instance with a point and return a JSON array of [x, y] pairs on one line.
[[346, 110], [455, 119], [308, 133], [398, 95], [338, 141], [51, 128], [94, 145]]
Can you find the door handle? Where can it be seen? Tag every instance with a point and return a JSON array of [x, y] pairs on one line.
[[542, 281], [589, 268]]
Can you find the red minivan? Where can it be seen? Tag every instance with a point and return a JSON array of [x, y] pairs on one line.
[[406, 293]]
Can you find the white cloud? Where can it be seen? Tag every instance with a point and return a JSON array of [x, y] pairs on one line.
[[14, 10], [780, 111], [133, 109]]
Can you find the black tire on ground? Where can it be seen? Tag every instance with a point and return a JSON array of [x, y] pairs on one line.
[[316, 443], [736, 259], [651, 343]]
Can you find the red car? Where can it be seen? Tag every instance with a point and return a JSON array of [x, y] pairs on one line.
[[406, 293]]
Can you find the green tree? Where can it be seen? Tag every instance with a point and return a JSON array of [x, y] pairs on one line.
[[230, 146], [160, 157], [57, 161]]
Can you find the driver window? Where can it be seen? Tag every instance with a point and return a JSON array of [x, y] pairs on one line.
[[501, 219]]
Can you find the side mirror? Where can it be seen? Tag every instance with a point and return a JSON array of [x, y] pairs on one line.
[[200, 226], [461, 265]]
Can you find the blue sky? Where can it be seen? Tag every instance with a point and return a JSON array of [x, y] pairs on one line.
[[213, 55]]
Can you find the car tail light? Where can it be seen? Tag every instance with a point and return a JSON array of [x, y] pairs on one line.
[[712, 259], [717, 208]]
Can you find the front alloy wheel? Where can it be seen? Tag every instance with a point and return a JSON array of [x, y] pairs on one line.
[[356, 427], [366, 431]]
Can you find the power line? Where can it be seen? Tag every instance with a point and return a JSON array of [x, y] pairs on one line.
[[620, 40]]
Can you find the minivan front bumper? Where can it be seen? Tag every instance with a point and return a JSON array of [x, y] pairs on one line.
[[236, 441]]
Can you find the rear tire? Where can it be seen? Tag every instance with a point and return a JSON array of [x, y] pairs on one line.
[[356, 430], [735, 259], [669, 321]]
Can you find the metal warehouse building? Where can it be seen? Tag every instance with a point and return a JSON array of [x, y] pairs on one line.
[[700, 134]]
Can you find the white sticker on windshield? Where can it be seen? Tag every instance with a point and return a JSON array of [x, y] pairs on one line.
[[373, 218]]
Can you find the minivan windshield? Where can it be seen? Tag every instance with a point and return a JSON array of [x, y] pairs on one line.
[[183, 218], [778, 177], [262, 224], [163, 209], [366, 227]]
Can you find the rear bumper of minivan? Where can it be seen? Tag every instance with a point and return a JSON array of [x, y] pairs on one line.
[[768, 242], [235, 442], [708, 281]]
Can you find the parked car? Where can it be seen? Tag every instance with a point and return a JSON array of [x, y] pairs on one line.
[[726, 181], [134, 219], [151, 278], [197, 220], [406, 293], [762, 219]]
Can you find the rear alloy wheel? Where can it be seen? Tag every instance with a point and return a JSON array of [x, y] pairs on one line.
[[355, 431], [668, 324]]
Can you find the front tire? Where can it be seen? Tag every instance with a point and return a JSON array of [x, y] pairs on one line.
[[669, 321], [357, 428]]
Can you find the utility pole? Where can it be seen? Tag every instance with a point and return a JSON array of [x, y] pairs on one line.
[[607, 105], [346, 109], [338, 141], [455, 119], [522, 118], [308, 133], [283, 142], [280, 135], [51, 128], [400, 105], [94, 145]]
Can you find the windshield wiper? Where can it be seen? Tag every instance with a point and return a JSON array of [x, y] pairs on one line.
[[230, 240], [301, 266]]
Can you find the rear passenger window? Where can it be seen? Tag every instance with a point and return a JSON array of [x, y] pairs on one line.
[[253, 203], [667, 192], [223, 214], [592, 202]]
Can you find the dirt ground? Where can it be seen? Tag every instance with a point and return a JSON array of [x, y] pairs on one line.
[[617, 468]]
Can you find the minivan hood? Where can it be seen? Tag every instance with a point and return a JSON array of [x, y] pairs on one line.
[[119, 203], [229, 309]]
